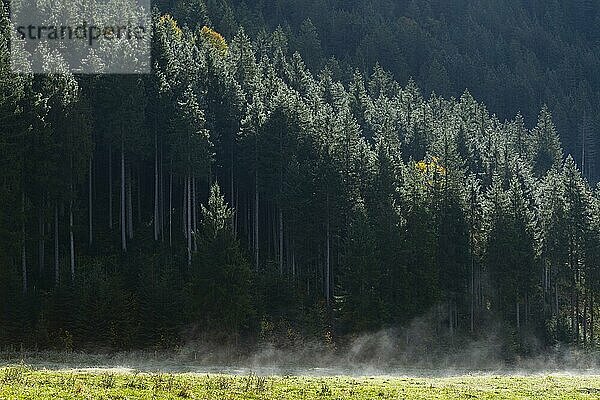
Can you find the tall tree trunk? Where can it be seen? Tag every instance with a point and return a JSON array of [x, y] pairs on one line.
[[170, 207], [328, 259], [232, 189], [280, 240], [23, 245], [122, 217], [293, 259], [56, 255], [184, 209], [90, 200], [161, 198], [138, 193], [577, 311], [189, 221], [41, 243], [194, 214], [71, 239], [110, 188], [155, 186], [236, 213], [129, 205], [256, 220], [592, 312], [585, 316]]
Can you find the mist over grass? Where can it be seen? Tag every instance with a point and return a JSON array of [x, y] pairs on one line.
[[423, 348]]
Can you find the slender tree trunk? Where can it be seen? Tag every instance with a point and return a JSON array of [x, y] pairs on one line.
[[556, 297], [328, 260], [472, 292], [592, 312], [23, 245], [42, 243], [155, 186], [256, 220], [232, 189], [138, 193], [450, 318], [90, 201], [170, 207], [71, 239], [526, 308], [56, 255], [129, 205], [189, 221], [577, 311], [280, 240], [110, 188], [194, 214], [184, 209], [518, 315], [585, 316], [161, 198], [123, 218], [293, 259], [236, 213]]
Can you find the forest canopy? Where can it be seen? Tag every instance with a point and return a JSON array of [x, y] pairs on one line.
[[259, 184]]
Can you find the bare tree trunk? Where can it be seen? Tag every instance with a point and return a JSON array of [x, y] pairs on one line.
[[280, 240], [256, 219], [155, 186], [90, 201], [56, 255], [110, 187], [577, 311], [42, 243], [189, 221], [232, 189], [328, 258], [161, 195], [236, 213], [170, 207], [293, 259], [518, 315], [138, 193], [592, 312], [123, 221], [472, 293], [71, 239], [585, 316], [450, 318], [184, 208], [527, 308], [129, 205], [556, 297], [23, 245], [194, 214]]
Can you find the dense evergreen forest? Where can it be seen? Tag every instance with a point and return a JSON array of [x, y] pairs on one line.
[[272, 181]]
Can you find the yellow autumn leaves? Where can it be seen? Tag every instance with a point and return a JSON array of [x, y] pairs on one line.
[[431, 167], [215, 39], [211, 36]]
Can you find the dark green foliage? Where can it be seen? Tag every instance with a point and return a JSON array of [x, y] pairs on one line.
[[234, 194], [219, 293]]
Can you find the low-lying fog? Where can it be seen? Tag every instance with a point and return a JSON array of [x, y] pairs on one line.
[[424, 348], [383, 353]]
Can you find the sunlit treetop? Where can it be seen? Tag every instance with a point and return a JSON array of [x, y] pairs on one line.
[[170, 24], [430, 167], [215, 39]]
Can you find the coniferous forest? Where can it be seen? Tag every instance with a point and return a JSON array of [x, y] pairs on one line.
[[309, 170]]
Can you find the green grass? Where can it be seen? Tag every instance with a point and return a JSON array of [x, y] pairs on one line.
[[20, 382]]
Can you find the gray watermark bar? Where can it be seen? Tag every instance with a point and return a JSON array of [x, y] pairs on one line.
[[81, 36]]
